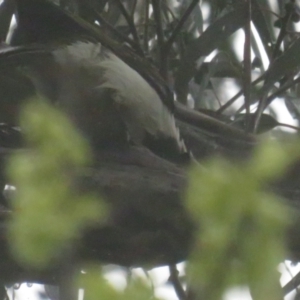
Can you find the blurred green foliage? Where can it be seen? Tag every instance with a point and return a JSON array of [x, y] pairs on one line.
[[241, 226], [94, 285], [49, 212]]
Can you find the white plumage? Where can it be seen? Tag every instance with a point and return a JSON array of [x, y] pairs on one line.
[[140, 107], [106, 99]]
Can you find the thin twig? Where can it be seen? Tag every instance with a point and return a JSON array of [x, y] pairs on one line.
[[163, 62], [130, 22], [67, 272], [178, 27], [156, 4], [171, 12], [288, 126], [247, 66], [237, 95], [283, 30], [118, 34], [264, 99], [146, 28], [281, 90], [174, 279], [292, 284], [133, 9], [278, 92]]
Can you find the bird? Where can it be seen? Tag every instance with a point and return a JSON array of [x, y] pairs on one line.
[[114, 106], [108, 101]]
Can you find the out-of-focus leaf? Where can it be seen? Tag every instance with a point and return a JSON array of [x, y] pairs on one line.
[[10, 137], [3, 293], [263, 24], [217, 68], [287, 63], [223, 66], [14, 90], [51, 291], [70, 5], [293, 106], [219, 7], [295, 17], [257, 62], [7, 9], [240, 224], [44, 177], [194, 23], [215, 115], [215, 35], [87, 8], [266, 122], [113, 15], [94, 285], [220, 66], [278, 23]]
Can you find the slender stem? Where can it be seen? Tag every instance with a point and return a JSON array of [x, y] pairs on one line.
[[283, 30], [292, 284], [146, 28], [174, 279], [289, 126], [281, 90], [129, 21], [264, 99], [67, 288], [178, 27], [163, 62], [236, 96], [278, 92], [133, 9], [247, 65], [118, 34]]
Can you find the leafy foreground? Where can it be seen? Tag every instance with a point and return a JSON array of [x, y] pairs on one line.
[[45, 194], [240, 225], [241, 236]]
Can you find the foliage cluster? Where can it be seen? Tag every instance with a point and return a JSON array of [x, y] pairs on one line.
[[240, 227]]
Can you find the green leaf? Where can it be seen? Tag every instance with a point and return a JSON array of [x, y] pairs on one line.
[[49, 212], [241, 226], [94, 285]]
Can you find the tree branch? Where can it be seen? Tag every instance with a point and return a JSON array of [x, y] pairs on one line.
[[174, 279], [178, 27], [130, 22]]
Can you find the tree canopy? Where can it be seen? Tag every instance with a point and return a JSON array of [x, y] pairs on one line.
[[226, 70]]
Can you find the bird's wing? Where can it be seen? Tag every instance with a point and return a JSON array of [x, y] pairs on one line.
[[147, 118]]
